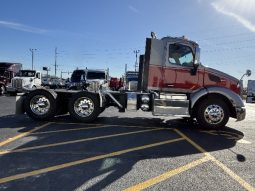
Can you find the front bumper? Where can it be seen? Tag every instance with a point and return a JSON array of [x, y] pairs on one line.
[[240, 113], [13, 90]]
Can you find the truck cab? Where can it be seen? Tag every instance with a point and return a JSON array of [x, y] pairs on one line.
[[171, 69], [173, 65], [25, 80]]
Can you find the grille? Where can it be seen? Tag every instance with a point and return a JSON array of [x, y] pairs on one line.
[[94, 86], [17, 83]]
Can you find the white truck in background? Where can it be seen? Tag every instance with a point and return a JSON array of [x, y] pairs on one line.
[[25, 79], [250, 91]]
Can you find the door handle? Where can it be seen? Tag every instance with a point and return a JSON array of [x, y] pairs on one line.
[[170, 85]]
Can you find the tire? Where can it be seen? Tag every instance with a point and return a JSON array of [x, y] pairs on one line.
[[212, 113], [2, 90], [40, 104], [84, 107]]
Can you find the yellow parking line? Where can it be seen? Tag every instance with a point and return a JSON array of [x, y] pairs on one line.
[[23, 134], [167, 175], [87, 128], [111, 125], [67, 130], [76, 141], [86, 160], [237, 178]]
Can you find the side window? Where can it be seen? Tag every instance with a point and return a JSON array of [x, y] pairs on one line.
[[38, 75], [180, 54]]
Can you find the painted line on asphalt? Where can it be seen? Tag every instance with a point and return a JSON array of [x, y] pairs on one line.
[[227, 170], [111, 125], [11, 139], [88, 128], [67, 130], [76, 141], [167, 175], [86, 160]]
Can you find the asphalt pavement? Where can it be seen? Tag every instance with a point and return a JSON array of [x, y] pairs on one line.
[[124, 151]]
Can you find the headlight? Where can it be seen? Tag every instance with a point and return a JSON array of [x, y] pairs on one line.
[[145, 99], [145, 107]]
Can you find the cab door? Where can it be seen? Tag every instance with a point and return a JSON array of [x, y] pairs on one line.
[[38, 80], [180, 60]]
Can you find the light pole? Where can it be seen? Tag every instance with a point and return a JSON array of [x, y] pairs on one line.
[[55, 65], [136, 52], [32, 50]]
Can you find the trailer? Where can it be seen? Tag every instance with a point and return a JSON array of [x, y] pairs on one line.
[[171, 82], [250, 91]]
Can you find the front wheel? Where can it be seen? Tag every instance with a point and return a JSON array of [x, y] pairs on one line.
[[84, 107], [212, 113]]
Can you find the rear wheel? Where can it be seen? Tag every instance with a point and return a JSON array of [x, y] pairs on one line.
[[84, 106], [40, 104], [212, 113]]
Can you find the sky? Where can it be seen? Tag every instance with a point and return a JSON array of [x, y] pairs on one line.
[[100, 34]]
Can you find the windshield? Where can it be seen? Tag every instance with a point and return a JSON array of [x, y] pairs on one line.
[[132, 79], [95, 75], [26, 73], [76, 76]]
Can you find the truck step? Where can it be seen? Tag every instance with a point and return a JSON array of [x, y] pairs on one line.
[[173, 96], [172, 111], [171, 104]]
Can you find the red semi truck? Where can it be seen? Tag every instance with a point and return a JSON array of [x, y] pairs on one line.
[[7, 72], [171, 82]]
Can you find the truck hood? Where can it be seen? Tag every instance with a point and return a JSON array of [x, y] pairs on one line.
[[221, 74]]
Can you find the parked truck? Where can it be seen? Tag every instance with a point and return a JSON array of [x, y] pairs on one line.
[[171, 82], [250, 91], [92, 78], [25, 80], [7, 72]]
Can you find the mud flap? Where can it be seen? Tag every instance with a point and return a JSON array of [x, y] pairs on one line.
[[19, 104]]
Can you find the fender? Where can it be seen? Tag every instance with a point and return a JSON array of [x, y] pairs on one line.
[[234, 98]]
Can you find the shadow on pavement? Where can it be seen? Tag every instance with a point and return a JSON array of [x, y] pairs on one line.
[[103, 172]]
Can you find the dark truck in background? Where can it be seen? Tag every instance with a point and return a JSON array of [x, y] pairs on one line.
[[7, 72], [171, 82], [88, 78]]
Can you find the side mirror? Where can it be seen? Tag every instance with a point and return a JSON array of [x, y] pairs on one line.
[[248, 73]]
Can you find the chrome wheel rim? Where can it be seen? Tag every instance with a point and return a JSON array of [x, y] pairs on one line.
[[84, 106], [214, 114], [40, 105]]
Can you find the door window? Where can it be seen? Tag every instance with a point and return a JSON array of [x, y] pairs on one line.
[[180, 54]]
